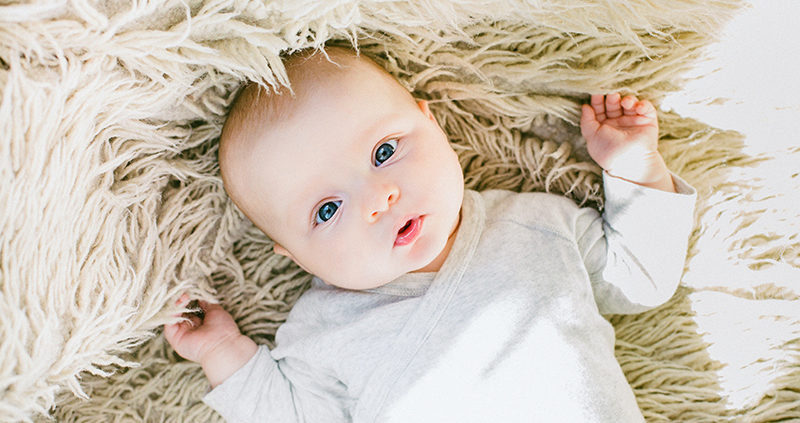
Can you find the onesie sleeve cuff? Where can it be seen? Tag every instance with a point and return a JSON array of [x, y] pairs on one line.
[[631, 204], [647, 233]]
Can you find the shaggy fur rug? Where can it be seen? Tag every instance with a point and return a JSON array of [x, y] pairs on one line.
[[112, 203]]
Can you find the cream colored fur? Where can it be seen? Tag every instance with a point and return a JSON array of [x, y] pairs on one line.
[[112, 202]]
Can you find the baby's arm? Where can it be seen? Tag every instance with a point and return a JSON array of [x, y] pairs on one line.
[[249, 384], [213, 340], [622, 137], [635, 251]]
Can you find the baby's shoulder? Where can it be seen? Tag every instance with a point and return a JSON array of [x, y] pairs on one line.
[[323, 306], [527, 207], [310, 316], [317, 302], [536, 211]]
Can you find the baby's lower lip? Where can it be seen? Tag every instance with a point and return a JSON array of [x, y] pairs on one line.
[[410, 233]]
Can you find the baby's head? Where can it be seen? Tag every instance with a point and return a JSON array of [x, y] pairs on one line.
[[349, 175]]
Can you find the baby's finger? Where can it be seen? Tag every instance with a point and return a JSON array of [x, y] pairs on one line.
[[589, 123], [646, 108], [212, 309], [599, 107], [205, 305], [613, 109], [173, 332], [182, 300], [193, 320], [628, 104]]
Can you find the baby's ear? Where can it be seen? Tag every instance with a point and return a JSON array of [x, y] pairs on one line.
[[423, 105], [278, 249]]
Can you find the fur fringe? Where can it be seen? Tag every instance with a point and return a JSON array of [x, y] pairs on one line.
[[113, 204]]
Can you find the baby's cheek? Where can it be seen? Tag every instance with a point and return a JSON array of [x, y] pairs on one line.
[[341, 269]]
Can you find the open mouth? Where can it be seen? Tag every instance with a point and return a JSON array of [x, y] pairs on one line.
[[408, 232]]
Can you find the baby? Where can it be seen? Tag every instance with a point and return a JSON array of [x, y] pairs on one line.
[[432, 303]]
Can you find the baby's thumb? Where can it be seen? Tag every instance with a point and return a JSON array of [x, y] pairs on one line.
[[589, 123]]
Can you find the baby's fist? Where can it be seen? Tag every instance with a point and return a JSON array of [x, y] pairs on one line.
[[199, 335], [211, 339]]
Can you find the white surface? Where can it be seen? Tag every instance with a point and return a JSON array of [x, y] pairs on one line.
[[752, 81]]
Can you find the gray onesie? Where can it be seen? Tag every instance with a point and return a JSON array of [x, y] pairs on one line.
[[509, 329]]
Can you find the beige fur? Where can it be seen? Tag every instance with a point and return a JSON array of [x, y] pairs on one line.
[[112, 201]]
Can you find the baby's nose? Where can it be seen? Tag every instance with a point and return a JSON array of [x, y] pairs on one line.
[[380, 200]]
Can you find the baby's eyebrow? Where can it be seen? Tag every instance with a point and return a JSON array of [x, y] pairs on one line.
[[383, 128]]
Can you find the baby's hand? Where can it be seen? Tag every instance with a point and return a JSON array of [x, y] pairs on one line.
[[622, 137], [211, 339]]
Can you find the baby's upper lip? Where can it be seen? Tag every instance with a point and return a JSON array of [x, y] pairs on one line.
[[402, 222]]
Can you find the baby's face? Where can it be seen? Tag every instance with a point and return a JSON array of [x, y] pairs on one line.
[[360, 183]]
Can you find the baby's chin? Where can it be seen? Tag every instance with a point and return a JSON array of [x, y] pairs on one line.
[[426, 255]]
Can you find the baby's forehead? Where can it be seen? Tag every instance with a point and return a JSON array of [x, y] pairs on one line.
[[336, 68], [310, 81]]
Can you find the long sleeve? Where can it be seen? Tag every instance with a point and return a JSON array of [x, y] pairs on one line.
[[635, 252], [260, 392]]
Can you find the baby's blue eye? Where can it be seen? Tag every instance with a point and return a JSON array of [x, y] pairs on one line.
[[326, 211], [385, 151]]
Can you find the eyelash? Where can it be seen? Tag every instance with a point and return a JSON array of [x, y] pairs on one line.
[[392, 142]]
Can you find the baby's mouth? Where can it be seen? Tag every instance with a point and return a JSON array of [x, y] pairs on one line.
[[408, 232]]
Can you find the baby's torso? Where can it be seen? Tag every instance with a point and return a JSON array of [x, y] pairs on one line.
[[507, 331]]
